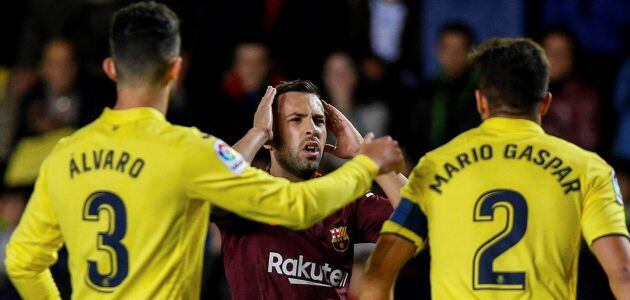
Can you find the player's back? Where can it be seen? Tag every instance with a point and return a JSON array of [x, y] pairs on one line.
[[506, 205], [116, 188]]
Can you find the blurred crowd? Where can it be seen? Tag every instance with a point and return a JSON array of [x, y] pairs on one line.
[[396, 67]]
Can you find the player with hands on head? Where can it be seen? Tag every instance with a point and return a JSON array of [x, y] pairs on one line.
[[293, 123]]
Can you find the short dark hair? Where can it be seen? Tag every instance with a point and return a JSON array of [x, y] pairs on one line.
[[458, 28], [144, 39], [298, 85], [513, 74]]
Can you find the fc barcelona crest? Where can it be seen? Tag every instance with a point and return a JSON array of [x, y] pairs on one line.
[[339, 238]]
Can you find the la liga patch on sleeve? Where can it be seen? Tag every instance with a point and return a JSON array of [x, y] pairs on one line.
[[229, 157]]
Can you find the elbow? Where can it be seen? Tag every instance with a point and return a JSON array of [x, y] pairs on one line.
[[15, 265], [621, 276]]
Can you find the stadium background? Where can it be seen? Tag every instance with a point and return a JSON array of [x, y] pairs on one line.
[[393, 66]]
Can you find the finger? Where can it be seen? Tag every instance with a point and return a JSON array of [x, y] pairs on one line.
[[269, 95], [368, 137], [330, 148]]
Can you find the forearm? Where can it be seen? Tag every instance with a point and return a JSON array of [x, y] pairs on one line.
[[391, 183], [372, 289], [322, 196], [249, 144], [620, 283], [267, 199]]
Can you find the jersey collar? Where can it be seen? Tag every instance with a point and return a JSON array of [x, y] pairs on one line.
[[131, 114], [510, 125]]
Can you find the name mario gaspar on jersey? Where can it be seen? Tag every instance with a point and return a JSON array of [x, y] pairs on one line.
[[305, 272], [540, 157]]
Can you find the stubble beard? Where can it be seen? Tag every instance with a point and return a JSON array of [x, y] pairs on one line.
[[290, 161]]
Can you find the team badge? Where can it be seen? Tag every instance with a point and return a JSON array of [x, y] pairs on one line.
[[339, 238], [617, 188], [229, 157]]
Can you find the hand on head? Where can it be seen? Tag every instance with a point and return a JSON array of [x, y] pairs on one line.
[[263, 118], [348, 139]]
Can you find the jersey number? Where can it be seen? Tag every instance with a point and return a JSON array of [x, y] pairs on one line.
[[108, 241], [484, 275]]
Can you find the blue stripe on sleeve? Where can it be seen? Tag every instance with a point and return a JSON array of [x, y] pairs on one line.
[[409, 215]]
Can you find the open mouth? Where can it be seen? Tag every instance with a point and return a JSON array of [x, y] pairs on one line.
[[312, 148]]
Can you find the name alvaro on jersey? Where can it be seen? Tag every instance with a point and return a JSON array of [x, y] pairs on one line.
[[106, 160], [539, 157], [306, 273]]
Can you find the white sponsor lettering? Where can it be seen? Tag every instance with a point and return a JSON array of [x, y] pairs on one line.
[[318, 275]]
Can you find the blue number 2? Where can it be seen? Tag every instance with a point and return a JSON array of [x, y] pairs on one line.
[[108, 241], [484, 275]]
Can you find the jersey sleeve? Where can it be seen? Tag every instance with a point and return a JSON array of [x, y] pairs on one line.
[[409, 219], [216, 172], [33, 246], [371, 212], [603, 213]]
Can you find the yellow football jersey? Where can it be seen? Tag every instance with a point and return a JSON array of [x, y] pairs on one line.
[[503, 206], [130, 197]]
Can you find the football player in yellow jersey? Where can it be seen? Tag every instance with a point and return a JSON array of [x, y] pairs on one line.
[[129, 195], [503, 205]]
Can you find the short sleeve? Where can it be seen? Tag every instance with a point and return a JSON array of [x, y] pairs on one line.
[[603, 212]]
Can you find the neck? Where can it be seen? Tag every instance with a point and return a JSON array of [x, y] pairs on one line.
[[278, 171], [143, 96], [534, 118]]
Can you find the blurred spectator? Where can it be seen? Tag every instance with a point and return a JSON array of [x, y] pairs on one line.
[[60, 100], [243, 86], [575, 112], [446, 106], [341, 86], [61, 97], [487, 18]]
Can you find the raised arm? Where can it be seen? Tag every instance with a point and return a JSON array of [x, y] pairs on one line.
[[348, 143], [225, 179], [262, 130]]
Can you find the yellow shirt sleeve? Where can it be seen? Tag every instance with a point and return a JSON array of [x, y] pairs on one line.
[[409, 220], [33, 247], [218, 173], [603, 212]]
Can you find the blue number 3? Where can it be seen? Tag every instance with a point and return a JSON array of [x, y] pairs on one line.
[[484, 276], [108, 241]]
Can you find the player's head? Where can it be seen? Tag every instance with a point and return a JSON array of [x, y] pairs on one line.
[[299, 128], [144, 43], [454, 42], [513, 78]]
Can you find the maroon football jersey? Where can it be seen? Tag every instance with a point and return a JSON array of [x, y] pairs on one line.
[[271, 262]]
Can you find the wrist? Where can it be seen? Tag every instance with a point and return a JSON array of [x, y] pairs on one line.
[[265, 134]]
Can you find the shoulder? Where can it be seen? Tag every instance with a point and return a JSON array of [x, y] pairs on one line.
[[456, 144], [575, 153]]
